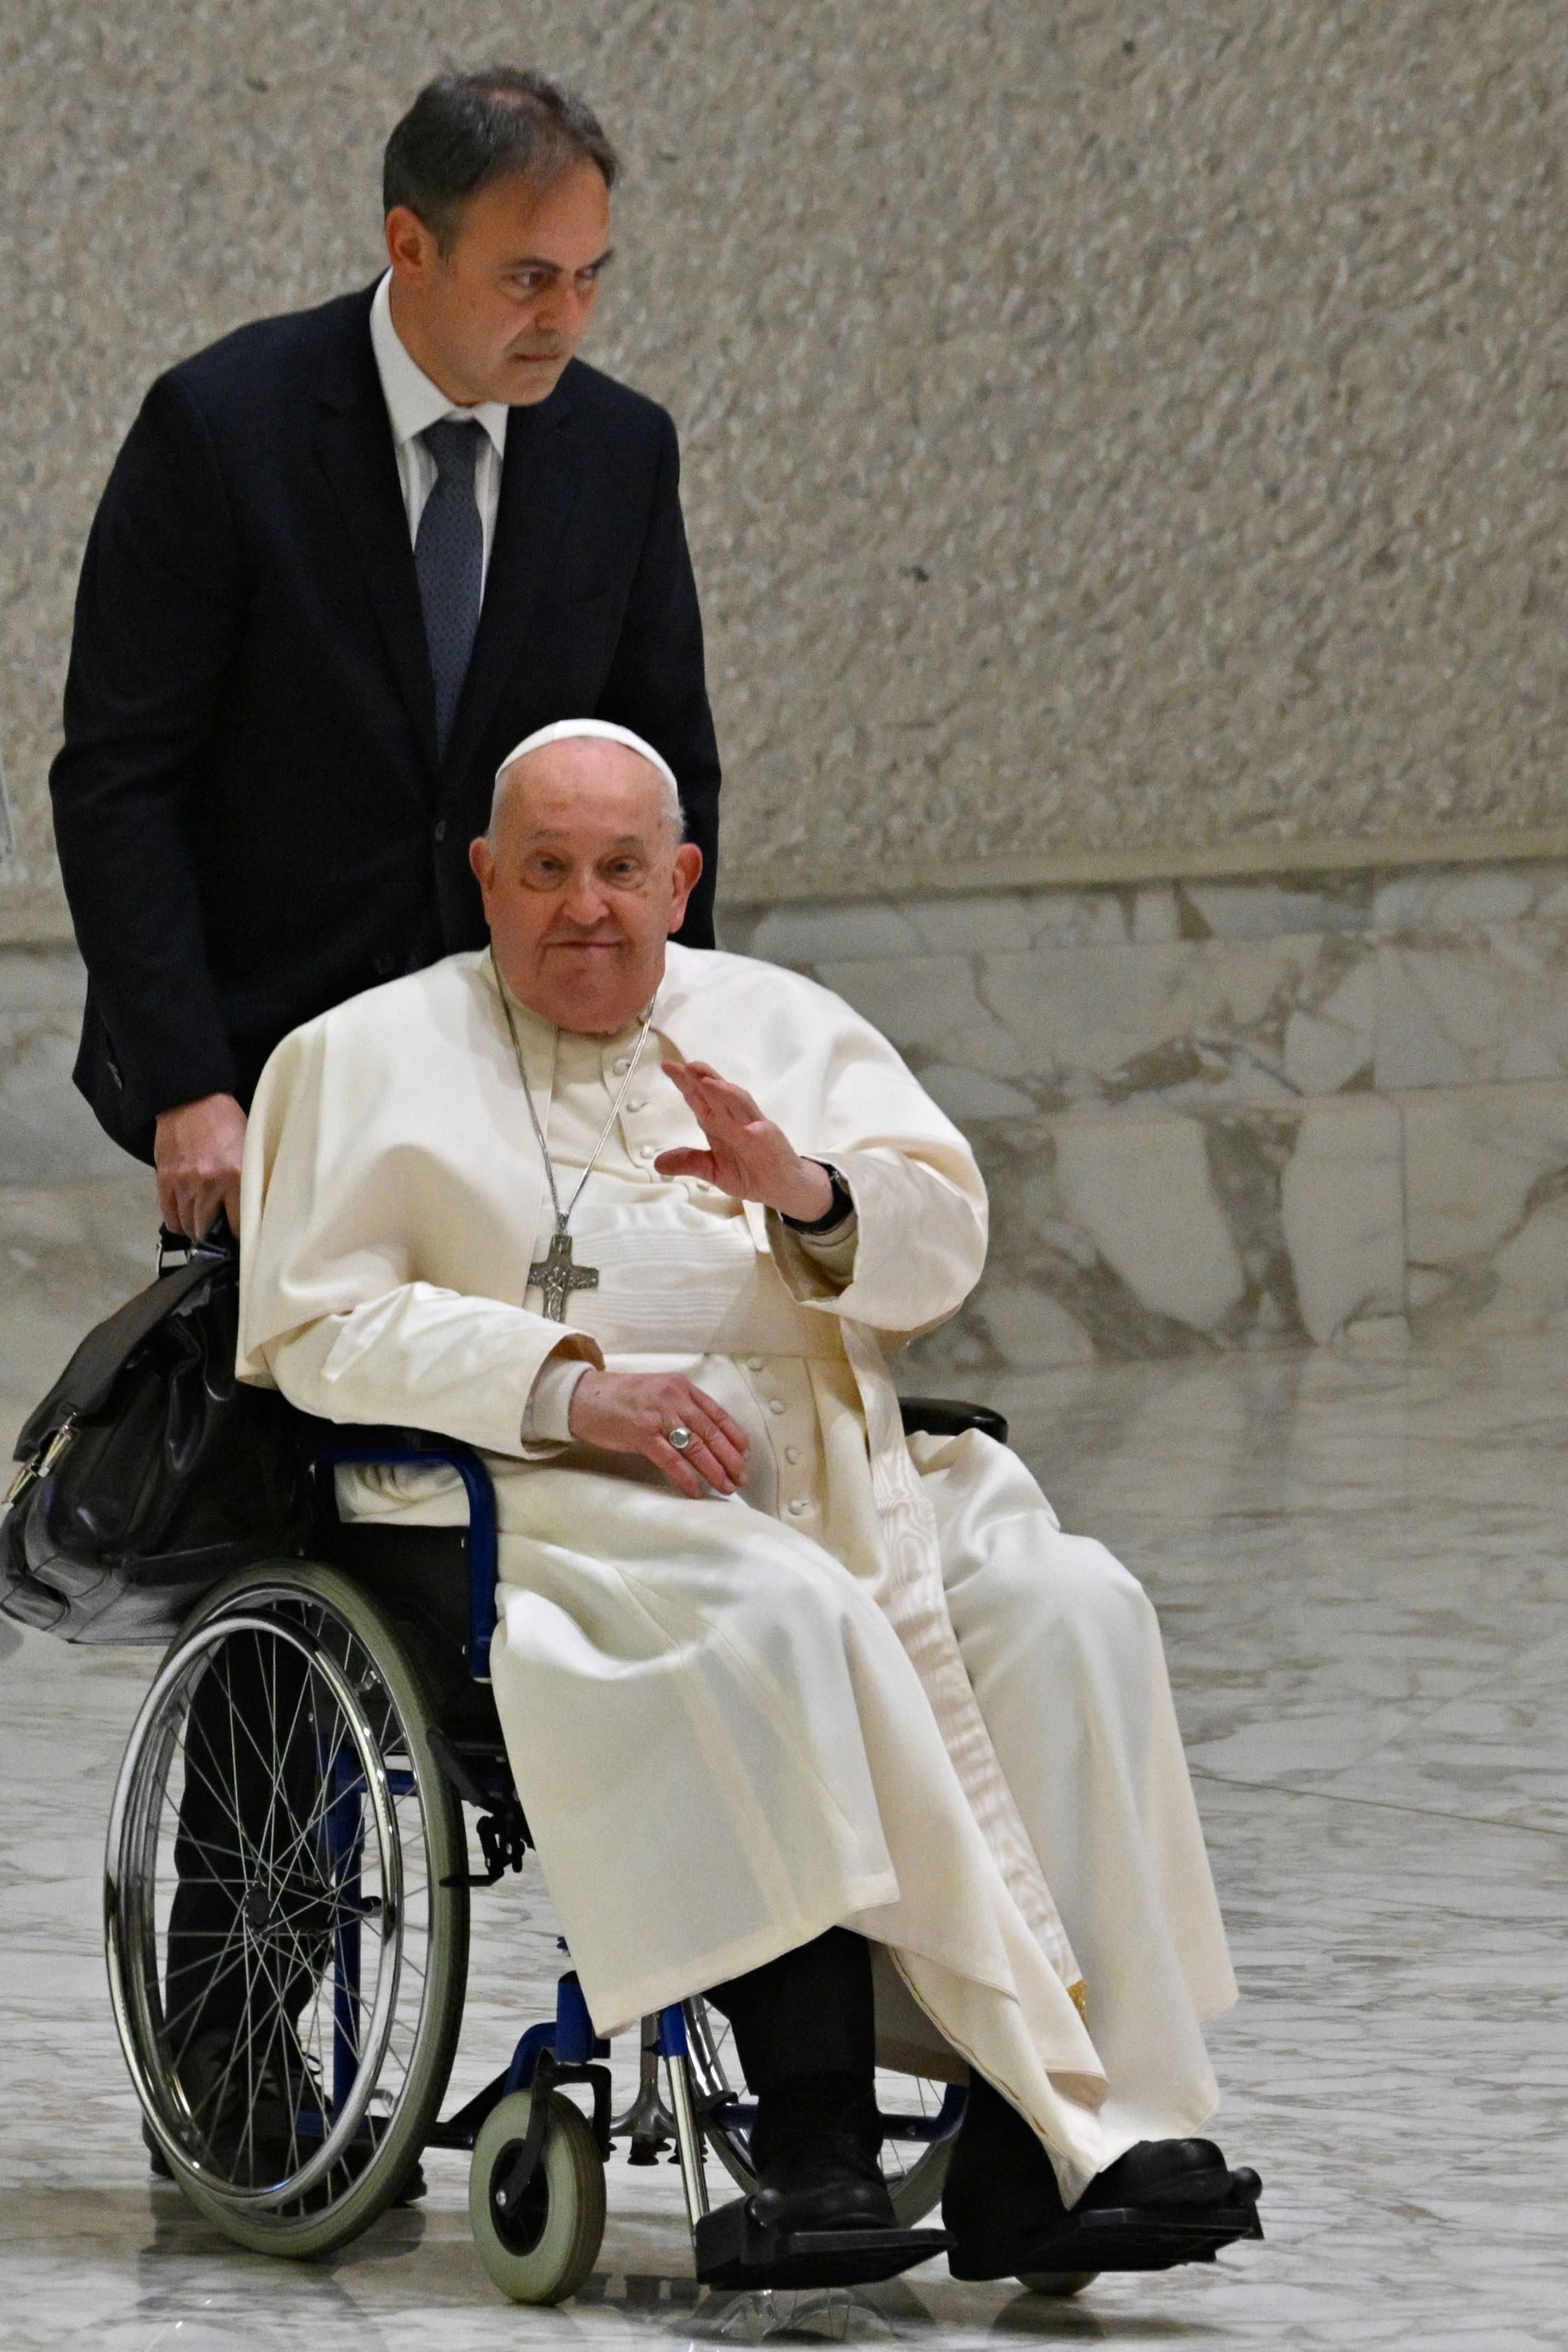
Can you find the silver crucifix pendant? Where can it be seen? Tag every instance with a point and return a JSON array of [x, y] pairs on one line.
[[557, 1276]]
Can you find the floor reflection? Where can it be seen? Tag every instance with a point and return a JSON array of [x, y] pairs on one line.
[[1360, 1570]]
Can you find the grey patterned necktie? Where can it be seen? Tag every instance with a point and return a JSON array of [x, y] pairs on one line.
[[449, 560]]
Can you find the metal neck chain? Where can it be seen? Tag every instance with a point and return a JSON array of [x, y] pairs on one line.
[[563, 1215]]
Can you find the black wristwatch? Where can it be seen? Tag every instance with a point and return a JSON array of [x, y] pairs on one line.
[[841, 1206]]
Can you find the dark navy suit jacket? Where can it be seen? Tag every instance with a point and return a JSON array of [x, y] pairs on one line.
[[252, 821]]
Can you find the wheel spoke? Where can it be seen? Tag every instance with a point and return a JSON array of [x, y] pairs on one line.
[[224, 1966], [246, 1849], [277, 2035], [271, 1764], [168, 1804], [271, 1790], [322, 1805], [219, 2099]]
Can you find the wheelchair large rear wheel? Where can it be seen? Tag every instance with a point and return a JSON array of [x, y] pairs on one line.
[[286, 1965]]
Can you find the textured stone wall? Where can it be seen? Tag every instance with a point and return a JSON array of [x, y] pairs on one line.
[[1120, 439]]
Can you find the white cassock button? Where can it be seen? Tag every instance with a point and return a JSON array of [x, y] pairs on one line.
[[641, 1104], [776, 1404], [754, 1363], [623, 1065], [797, 1507], [792, 1453]]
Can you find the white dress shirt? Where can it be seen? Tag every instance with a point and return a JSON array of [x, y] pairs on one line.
[[413, 402]]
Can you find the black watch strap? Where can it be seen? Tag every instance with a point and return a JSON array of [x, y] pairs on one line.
[[841, 1206]]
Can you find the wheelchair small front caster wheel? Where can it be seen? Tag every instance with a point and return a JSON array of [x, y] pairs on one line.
[[543, 2248], [1059, 2284]]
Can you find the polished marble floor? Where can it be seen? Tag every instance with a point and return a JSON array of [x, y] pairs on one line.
[[1363, 1572]]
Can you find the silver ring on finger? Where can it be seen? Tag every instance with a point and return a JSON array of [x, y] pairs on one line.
[[680, 1437]]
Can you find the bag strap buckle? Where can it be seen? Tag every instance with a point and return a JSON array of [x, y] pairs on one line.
[[38, 1466]]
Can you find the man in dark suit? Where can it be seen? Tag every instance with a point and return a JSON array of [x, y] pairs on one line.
[[344, 562]]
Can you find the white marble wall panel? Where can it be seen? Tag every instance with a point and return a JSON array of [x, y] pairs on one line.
[[1528, 1273], [1445, 901], [1113, 914], [1330, 1044], [1183, 1022], [1486, 1184], [1484, 1005], [1259, 1111], [46, 1132], [70, 1255], [1212, 1115], [1153, 1213], [1184, 1019], [930, 1006], [1341, 1214], [1139, 1232], [1476, 1160], [1254, 910]]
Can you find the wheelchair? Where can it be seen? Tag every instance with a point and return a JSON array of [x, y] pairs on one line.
[[288, 1828]]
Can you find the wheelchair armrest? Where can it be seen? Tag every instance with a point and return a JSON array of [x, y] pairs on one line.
[[947, 1417], [331, 1445]]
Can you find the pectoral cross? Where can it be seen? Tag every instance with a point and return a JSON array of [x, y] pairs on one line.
[[557, 1276]]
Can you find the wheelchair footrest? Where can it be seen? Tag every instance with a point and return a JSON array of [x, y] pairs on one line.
[[1129, 2238], [1133, 2237], [734, 2250]]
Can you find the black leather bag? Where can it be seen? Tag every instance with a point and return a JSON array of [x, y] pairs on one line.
[[148, 1470]]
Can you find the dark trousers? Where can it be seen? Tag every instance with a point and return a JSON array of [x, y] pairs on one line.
[[250, 1924], [807, 2012]]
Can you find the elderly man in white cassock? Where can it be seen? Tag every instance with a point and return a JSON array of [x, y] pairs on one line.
[[838, 1726]]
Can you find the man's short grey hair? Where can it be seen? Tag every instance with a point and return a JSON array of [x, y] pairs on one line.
[[670, 810]]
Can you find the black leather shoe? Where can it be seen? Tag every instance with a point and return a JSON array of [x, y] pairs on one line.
[[1162, 2202], [215, 2085], [246, 2114], [815, 2144], [1161, 2172], [1000, 2184]]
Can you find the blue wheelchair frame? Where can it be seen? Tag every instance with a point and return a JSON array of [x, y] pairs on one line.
[[567, 2048]]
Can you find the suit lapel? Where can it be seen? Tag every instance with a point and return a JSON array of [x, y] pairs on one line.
[[353, 444], [539, 486]]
